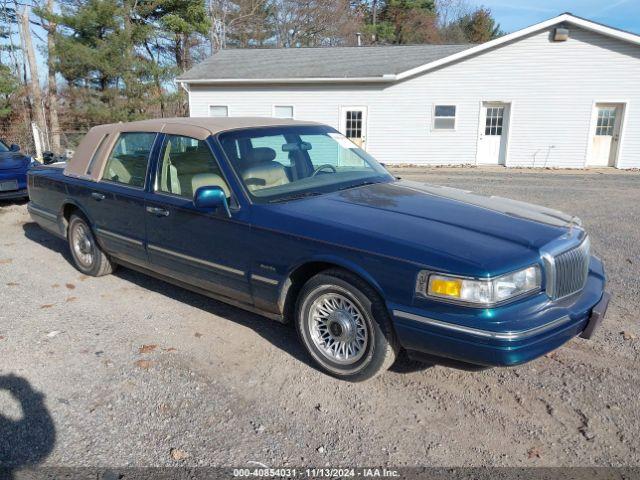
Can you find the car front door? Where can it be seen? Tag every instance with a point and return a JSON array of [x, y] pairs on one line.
[[116, 204], [206, 250]]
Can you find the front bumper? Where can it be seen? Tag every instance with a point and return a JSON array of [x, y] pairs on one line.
[[508, 335], [20, 179], [12, 194]]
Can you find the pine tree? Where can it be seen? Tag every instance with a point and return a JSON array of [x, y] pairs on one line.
[[98, 47], [479, 26], [183, 21], [8, 87]]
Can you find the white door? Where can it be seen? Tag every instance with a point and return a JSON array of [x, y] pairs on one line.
[[353, 124], [606, 135], [492, 135]]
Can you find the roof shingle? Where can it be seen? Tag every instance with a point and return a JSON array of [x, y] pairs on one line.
[[327, 62]]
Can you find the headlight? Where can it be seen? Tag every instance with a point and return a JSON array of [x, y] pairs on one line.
[[480, 291]]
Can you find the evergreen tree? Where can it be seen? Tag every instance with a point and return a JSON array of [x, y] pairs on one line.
[[183, 21], [479, 26], [9, 83], [98, 48], [8, 87]]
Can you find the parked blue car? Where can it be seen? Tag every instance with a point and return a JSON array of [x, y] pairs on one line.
[[13, 172], [293, 221]]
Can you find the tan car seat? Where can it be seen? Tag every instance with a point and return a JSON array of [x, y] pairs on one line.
[[262, 171], [117, 172], [209, 180]]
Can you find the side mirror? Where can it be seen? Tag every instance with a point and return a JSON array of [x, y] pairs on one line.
[[14, 148], [211, 199]]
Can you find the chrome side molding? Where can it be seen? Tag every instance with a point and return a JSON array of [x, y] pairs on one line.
[[259, 278], [508, 336], [191, 259], [107, 233]]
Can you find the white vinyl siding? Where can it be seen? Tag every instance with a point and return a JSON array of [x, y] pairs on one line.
[[551, 88]]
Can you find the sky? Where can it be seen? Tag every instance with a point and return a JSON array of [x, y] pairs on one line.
[[516, 14]]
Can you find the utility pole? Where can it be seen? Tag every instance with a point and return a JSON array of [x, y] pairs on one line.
[[34, 80], [52, 91], [374, 18]]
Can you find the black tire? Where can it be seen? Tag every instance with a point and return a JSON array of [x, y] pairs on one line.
[[89, 258], [380, 349]]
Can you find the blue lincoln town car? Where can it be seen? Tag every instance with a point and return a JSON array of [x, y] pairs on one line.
[[293, 221]]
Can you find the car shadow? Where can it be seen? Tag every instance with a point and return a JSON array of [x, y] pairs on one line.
[[30, 439], [37, 234], [7, 202], [280, 335]]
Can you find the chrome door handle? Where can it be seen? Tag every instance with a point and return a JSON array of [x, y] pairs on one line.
[[98, 196], [160, 212]]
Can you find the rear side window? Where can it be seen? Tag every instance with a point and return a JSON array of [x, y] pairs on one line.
[[128, 161], [95, 156]]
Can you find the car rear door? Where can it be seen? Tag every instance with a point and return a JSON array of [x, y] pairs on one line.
[[116, 203], [206, 250]]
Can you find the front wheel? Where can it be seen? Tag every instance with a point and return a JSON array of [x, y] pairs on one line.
[[345, 327], [87, 255]]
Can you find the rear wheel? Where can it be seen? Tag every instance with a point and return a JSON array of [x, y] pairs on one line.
[[87, 255], [344, 325]]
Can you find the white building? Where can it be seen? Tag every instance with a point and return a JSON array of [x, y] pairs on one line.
[[561, 93]]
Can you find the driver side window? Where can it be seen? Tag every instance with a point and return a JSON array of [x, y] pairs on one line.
[[187, 164]]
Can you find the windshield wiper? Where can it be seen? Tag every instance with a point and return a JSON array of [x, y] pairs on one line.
[[295, 196], [361, 184]]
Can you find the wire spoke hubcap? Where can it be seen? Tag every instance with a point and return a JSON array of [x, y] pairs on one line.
[[338, 328], [82, 245]]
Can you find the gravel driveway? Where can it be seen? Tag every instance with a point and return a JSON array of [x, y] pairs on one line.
[[134, 371]]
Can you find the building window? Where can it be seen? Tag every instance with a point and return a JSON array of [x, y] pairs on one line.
[[283, 111], [444, 117], [494, 121], [606, 121], [218, 111]]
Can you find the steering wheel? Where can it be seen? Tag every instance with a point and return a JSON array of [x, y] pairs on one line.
[[322, 167]]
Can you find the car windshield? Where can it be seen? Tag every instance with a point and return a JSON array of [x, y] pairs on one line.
[[3, 147], [278, 164]]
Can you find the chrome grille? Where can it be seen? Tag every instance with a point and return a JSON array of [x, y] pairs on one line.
[[571, 269]]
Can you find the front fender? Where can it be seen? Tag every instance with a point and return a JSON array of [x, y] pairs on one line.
[[328, 259]]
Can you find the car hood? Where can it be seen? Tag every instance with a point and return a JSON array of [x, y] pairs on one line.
[[13, 161], [439, 227]]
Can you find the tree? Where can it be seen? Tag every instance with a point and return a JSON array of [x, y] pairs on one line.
[[308, 23], [251, 25], [35, 90], [98, 47], [49, 25], [410, 21], [182, 21], [240, 22], [8, 87], [479, 26]]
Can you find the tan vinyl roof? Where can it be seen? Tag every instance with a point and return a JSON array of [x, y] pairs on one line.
[[99, 141], [213, 125]]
